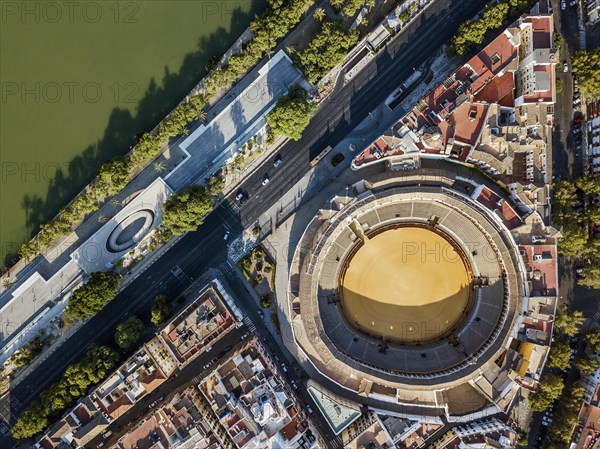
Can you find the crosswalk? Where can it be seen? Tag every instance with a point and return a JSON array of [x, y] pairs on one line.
[[336, 442], [248, 322], [198, 379], [597, 317]]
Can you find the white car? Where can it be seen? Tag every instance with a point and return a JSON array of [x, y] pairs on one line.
[[226, 236], [565, 66], [563, 5], [265, 180]]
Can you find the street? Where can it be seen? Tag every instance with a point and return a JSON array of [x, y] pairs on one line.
[[203, 249]]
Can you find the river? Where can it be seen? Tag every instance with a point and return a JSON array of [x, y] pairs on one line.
[[79, 80]]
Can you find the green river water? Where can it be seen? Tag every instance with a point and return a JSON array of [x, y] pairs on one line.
[[80, 79]]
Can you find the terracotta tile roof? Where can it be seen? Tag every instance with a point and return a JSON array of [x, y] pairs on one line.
[[508, 215], [120, 406], [151, 381], [289, 430], [468, 120], [491, 60], [499, 90], [542, 30]]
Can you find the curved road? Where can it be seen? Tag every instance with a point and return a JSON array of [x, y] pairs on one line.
[[205, 248]]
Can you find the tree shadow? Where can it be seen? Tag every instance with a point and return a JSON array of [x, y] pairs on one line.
[[123, 126]]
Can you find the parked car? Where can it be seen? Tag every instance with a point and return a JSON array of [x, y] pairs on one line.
[[309, 409], [277, 161], [573, 3], [294, 384], [226, 236], [565, 66], [284, 368], [563, 4]]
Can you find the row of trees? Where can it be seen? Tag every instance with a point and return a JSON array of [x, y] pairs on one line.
[[291, 115], [113, 176], [327, 49], [579, 220], [586, 66], [552, 387], [472, 33], [96, 365]]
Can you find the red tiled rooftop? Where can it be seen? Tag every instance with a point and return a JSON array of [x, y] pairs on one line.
[[499, 90], [152, 381], [82, 414], [120, 406], [468, 120], [289, 430], [547, 284], [542, 30], [141, 437], [484, 63], [490, 200]]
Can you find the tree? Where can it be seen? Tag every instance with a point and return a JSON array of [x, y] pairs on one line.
[[327, 49], [129, 332], [586, 66], [593, 338], [550, 388], [590, 185], [591, 277], [90, 298], [337, 4], [113, 176], [161, 310], [98, 362], [265, 302], [352, 6], [185, 211], [560, 353], [32, 421], [567, 322], [586, 365], [319, 14], [159, 167], [292, 114], [215, 184], [494, 16]]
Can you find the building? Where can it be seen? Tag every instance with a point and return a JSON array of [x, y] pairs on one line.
[[210, 316], [138, 376], [494, 112], [253, 402]]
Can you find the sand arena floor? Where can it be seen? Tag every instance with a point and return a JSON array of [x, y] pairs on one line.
[[408, 285]]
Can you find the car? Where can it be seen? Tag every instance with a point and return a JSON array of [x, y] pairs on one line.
[[576, 155], [240, 195], [565, 66], [577, 131], [294, 384], [309, 409], [213, 360], [265, 180], [277, 161], [573, 2], [579, 270], [284, 368], [244, 336], [576, 101], [563, 4], [208, 349], [260, 313], [226, 236]]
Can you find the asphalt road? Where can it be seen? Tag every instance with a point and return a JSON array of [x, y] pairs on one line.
[[205, 248]]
